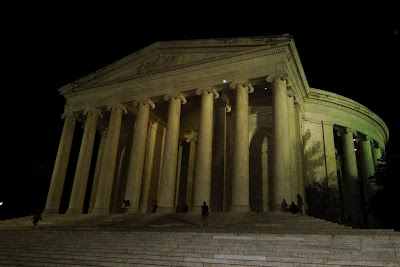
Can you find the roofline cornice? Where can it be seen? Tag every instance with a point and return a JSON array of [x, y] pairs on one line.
[[195, 66], [318, 96]]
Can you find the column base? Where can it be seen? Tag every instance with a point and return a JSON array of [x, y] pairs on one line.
[[74, 212], [100, 211], [265, 206], [279, 208], [196, 209], [132, 210], [165, 210], [240, 208], [51, 211]]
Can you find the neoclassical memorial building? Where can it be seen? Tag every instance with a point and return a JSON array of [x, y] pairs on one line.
[[232, 122]]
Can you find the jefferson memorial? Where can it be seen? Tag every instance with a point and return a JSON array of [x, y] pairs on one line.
[[230, 122]]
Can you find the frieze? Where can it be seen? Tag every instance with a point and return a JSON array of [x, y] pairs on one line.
[[160, 62]]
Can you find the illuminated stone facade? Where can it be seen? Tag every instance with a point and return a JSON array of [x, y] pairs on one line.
[[232, 122]]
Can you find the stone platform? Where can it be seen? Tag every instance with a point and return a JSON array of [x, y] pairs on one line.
[[232, 239]]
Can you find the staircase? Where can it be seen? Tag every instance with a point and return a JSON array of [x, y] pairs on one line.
[[232, 239]]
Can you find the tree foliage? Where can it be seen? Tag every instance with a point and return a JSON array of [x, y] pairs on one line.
[[384, 203]]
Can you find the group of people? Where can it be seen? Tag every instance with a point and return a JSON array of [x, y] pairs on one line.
[[293, 208]]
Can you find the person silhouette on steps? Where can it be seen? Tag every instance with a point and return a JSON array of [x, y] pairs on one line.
[[204, 214], [300, 204]]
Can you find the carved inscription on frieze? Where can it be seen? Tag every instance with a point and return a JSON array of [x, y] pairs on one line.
[[160, 62]]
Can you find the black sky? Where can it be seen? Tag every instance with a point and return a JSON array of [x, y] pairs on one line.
[[355, 56]]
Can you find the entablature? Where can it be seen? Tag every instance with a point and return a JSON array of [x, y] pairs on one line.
[[156, 73], [337, 109]]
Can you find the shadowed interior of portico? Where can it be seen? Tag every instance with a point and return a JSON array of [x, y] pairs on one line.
[[190, 116]]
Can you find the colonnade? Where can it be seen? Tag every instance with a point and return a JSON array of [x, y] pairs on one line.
[[105, 166], [370, 153], [356, 186]]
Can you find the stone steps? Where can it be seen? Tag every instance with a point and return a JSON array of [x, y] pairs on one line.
[[242, 239], [158, 248], [203, 250]]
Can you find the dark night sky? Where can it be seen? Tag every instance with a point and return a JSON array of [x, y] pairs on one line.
[[357, 57]]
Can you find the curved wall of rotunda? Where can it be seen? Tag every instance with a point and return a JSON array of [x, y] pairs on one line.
[[343, 141]]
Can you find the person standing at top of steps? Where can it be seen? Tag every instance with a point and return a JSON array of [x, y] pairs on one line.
[[125, 206], [36, 218], [300, 204], [204, 214]]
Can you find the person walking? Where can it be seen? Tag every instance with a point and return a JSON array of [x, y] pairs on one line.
[[36, 218], [204, 214]]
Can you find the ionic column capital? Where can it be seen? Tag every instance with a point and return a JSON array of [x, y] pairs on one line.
[[144, 101], [68, 113], [209, 91], [376, 145], [282, 77], [175, 95], [117, 106], [345, 130], [367, 138], [351, 131], [192, 136], [291, 93], [242, 84], [91, 110]]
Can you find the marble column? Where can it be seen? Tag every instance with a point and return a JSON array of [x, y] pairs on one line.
[[300, 154], [281, 141], [330, 156], [367, 170], [61, 164], [264, 164], [148, 166], [135, 173], [178, 176], [83, 167], [351, 178], [377, 154], [96, 176], [335, 204], [291, 182], [102, 204], [218, 168], [367, 162], [202, 173], [192, 140], [240, 171], [170, 157], [349, 155]]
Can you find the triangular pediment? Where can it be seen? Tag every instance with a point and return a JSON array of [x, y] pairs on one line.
[[169, 55], [165, 60]]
